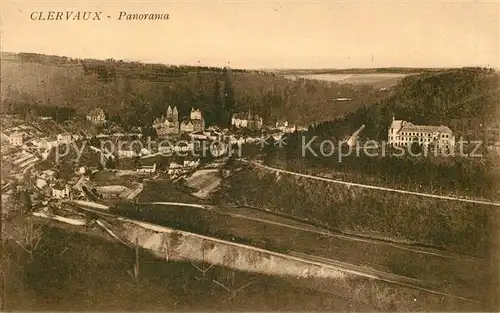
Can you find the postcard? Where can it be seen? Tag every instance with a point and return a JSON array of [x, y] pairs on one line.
[[250, 156]]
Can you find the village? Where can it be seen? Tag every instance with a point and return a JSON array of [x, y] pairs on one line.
[[92, 159]]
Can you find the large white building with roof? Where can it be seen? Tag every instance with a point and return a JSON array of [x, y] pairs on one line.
[[402, 133]]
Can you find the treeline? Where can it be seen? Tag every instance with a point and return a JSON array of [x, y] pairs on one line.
[[381, 70], [135, 93], [463, 176], [466, 100]]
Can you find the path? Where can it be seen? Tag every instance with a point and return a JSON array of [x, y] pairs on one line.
[[415, 193]]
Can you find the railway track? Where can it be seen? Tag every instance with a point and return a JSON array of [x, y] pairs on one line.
[[361, 271], [351, 184]]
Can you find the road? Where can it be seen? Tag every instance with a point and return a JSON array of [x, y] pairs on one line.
[[445, 272], [415, 193]]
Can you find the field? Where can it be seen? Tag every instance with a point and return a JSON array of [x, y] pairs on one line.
[[205, 181], [378, 80]]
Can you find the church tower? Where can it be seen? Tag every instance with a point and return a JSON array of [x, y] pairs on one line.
[[175, 114], [169, 112]]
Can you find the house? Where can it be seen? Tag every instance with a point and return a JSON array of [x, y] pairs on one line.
[[191, 163], [14, 137], [81, 170], [40, 183], [239, 120], [218, 149], [126, 153], [187, 126], [246, 120], [44, 178], [403, 134], [236, 139], [60, 190], [198, 135], [167, 124], [165, 149], [176, 168], [196, 118], [281, 124], [97, 116], [145, 151], [183, 146], [147, 168], [285, 127], [64, 138]]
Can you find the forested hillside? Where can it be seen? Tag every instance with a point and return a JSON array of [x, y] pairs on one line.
[[466, 100], [136, 93]]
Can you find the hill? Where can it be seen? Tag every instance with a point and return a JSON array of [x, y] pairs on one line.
[[380, 70], [465, 99], [136, 93]]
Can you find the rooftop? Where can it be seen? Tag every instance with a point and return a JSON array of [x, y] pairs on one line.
[[59, 185], [425, 128], [96, 112]]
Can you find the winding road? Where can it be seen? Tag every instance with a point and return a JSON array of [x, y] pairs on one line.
[[415, 193]]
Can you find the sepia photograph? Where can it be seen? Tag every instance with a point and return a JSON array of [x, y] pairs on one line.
[[250, 156]]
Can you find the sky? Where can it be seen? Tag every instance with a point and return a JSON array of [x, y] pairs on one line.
[[265, 34]]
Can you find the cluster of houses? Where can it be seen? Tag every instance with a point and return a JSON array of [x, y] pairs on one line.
[[28, 137], [177, 168], [29, 144], [247, 120], [47, 183]]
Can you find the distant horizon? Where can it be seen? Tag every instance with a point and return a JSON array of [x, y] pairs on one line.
[[259, 69], [257, 35]]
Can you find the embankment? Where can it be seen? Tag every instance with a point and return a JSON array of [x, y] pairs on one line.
[[451, 225], [174, 245]]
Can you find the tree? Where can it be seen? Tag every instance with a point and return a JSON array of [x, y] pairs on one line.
[[110, 162], [229, 103], [26, 200], [26, 234]]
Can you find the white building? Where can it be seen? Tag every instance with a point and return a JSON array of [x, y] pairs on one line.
[[175, 168], [64, 138], [247, 120], [15, 138], [126, 153], [183, 146], [285, 127], [402, 133], [187, 126], [41, 183], [147, 168], [60, 190]]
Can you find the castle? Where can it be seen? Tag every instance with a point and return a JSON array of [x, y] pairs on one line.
[[169, 124], [246, 120], [197, 121]]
